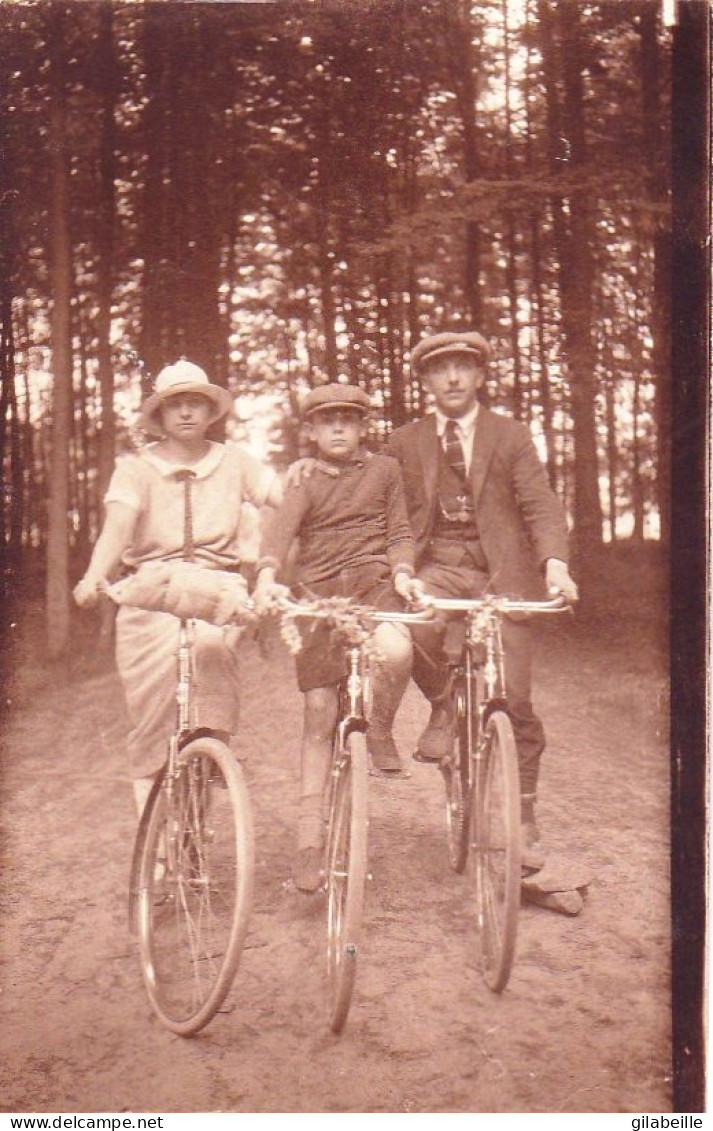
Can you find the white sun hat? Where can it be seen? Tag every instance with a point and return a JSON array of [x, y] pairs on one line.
[[182, 377]]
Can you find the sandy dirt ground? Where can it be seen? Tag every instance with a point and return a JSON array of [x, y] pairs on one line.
[[583, 1025]]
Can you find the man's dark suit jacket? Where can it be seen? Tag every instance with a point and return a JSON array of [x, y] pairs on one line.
[[520, 520]]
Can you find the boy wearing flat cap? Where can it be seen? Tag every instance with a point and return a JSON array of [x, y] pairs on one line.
[[484, 518], [354, 541]]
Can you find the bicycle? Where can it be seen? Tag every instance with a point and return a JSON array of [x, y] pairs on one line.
[[482, 778], [192, 867], [345, 859]]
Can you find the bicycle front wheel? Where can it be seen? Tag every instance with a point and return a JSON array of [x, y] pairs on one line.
[[346, 874], [496, 850], [457, 780], [195, 886]]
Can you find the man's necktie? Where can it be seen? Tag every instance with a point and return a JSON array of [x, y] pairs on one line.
[[454, 450], [186, 477]]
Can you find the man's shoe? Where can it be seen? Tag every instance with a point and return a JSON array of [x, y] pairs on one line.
[[438, 739], [308, 869], [384, 756], [532, 853]]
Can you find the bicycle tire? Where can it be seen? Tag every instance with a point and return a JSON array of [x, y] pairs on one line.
[[457, 780], [346, 875], [138, 851], [495, 845], [195, 886]]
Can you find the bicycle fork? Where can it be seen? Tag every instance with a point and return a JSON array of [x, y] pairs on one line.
[[194, 790]]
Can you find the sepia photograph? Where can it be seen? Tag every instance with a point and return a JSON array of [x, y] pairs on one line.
[[354, 393]]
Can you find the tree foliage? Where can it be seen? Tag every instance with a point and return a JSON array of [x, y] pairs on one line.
[[290, 193]]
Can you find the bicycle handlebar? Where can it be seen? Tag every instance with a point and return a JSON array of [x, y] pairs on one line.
[[363, 612], [558, 604]]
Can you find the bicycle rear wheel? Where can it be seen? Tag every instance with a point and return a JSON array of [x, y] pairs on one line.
[[346, 874], [496, 850], [457, 780], [195, 886]]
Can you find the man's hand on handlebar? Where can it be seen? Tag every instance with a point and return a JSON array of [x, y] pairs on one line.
[[558, 579]]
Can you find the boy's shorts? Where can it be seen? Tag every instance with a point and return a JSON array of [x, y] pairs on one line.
[[322, 661]]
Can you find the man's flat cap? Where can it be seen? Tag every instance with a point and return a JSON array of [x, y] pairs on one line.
[[471, 343], [336, 396]]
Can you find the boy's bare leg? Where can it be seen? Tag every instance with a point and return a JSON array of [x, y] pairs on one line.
[[390, 679], [320, 716]]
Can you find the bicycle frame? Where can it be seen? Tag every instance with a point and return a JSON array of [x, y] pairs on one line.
[[483, 627], [482, 779], [483, 669], [351, 715], [184, 665]]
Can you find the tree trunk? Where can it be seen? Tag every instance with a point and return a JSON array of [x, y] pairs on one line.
[[661, 321], [57, 580], [612, 461], [462, 55], [324, 266], [105, 242], [31, 462], [84, 455], [16, 474], [414, 331], [511, 237], [6, 357], [537, 301], [350, 313], [574, 240], [542, 362], [155, 296], [396, 377], [637, 494]]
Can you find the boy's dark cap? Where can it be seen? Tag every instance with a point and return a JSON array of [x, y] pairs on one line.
[[335, 396], [471, 343]]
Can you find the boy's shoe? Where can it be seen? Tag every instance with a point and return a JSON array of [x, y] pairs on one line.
[[307, 871], [385, 760], [438, 739]]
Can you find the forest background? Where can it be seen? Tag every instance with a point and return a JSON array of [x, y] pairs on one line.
[[291, 193]]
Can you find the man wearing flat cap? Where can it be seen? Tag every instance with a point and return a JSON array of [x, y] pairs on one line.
[[484, 518]]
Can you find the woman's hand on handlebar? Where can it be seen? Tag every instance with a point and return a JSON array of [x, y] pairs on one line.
[[89, 590]]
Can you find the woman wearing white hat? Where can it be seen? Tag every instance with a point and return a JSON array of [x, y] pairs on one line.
[[179, 496]]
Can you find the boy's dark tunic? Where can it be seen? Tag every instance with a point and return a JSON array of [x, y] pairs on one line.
[[354, 536]]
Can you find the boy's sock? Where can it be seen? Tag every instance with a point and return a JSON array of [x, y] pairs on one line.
[[310, 824], [307, 869]]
